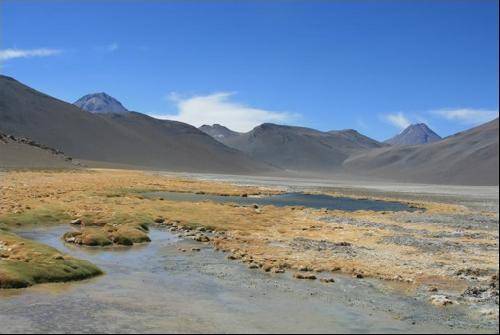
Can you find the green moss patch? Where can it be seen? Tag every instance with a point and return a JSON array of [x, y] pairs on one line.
[[24, 263], [46, 215]]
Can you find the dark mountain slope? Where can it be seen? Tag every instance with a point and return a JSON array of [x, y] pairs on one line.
[[357, 138]]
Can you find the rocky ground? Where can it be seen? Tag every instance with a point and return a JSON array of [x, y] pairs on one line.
[[446, 253], [23, 153]]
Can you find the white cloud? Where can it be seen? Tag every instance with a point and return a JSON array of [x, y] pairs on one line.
[[112, 47], [398, 120], [218, 108], [467, 116], [7, 54]]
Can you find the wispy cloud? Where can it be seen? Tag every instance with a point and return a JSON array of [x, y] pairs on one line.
[[219, 108], [112, 47], [398, 120], [468, 116], [7, 54]]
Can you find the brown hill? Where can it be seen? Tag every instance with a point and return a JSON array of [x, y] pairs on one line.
[[466, 158]]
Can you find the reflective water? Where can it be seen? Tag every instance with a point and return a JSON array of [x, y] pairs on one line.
[[291, 199]]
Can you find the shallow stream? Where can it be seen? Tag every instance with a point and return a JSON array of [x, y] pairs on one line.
[[158, 288]]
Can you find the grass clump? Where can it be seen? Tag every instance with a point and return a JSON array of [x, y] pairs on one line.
[[128, 235], [108, 234], [91, 236]]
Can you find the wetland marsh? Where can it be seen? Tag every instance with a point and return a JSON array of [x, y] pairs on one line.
[[223, 266]]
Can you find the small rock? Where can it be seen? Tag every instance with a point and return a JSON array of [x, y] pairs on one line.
[[304, 276], [492, 312], [76, 222], [201, 238], [440, 300], [327, 280]]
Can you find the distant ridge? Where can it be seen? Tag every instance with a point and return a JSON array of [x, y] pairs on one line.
[[356, 137], [414, 134], [100, 103], [218, 131], [296, 148]]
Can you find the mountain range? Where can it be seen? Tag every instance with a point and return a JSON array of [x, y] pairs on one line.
[[99, 131], [295, 148], [122, 139]]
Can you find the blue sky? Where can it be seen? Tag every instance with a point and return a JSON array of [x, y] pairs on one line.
[[372, 66]]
